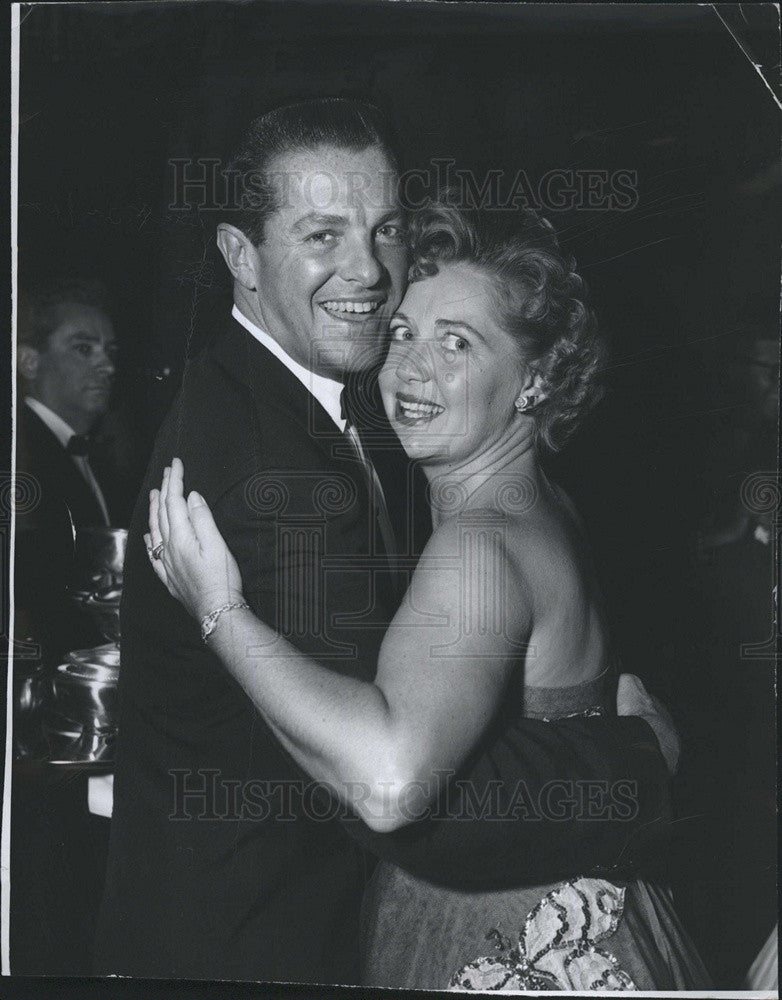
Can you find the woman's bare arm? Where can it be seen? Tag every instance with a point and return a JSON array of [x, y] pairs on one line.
[[443, 665]]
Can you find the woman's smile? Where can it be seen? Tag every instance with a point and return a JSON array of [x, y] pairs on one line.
[[414, 412]]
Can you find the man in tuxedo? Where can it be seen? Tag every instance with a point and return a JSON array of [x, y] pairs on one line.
[[224, 863], [66, 357]]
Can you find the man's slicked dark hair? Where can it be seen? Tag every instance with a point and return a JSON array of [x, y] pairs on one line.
[[332, 121], [38, 314]]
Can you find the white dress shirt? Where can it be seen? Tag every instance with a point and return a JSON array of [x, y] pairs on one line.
[[327, 391], [64, 432]]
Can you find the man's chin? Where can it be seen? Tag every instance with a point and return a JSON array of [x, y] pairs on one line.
[[95, 402], [358, 345], [353, 354]]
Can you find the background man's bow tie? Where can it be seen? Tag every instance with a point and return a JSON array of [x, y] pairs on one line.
[[80, 444]]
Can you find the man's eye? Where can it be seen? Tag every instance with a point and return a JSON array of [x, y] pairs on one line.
[[84, 349], [401, 333], [453, 342], [392, 234], [323, 238]]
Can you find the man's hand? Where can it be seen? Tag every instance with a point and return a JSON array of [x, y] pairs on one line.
[[632, 698]]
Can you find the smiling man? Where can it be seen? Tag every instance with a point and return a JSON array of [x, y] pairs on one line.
[[331, 265], [225, 862], [200, 885]]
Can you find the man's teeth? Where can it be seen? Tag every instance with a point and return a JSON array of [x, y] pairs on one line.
[[351, 307], [420, 409]]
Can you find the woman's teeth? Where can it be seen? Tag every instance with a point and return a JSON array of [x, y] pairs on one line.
[[346, 306], [419, 411]]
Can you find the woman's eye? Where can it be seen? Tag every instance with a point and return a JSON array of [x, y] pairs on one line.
[[401, 333], [453, 342], [392, 234]]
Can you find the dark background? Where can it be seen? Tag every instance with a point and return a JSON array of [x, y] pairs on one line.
[[685, 284]]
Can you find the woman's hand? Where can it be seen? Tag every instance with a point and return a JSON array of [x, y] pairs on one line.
[[193, 560]]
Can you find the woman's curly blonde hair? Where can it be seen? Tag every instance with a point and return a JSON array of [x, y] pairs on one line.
[[541, 300]]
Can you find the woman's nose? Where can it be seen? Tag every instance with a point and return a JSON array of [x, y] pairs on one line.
[[413, 365]]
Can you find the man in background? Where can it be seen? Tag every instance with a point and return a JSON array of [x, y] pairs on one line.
[[66, 358]]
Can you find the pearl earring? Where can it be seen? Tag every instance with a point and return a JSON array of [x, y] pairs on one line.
[[524, 403]]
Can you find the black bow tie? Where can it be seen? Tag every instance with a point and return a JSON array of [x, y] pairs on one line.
[[79, 444]]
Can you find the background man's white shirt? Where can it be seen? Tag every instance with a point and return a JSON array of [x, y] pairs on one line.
[[64, 432]]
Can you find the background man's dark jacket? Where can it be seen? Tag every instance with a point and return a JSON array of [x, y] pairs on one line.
[[57, 851], [57, 502]]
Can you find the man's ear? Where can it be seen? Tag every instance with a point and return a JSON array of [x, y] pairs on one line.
[[239, 254], [28, 359]]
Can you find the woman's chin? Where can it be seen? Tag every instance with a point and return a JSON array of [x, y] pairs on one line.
[[419, 444]]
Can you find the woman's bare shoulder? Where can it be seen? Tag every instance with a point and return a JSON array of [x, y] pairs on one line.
[[482, 546]]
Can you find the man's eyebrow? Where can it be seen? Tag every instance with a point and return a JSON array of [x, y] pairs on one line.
[[317, 219], [82, 335], [93, 338], [440, 323]]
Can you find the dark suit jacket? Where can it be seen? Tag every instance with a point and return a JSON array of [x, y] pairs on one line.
[[196, 887], [53, 847], [55, 500]]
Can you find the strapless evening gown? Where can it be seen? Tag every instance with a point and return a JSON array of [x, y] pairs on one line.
[[581, 934]]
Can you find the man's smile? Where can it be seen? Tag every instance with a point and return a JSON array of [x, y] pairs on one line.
[[351, 309]]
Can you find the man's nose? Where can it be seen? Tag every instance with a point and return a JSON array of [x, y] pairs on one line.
[[360, 264], [106, 363]]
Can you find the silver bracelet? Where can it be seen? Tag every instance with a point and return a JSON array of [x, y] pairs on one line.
[[209, 622]]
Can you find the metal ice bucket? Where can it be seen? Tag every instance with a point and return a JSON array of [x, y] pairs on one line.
[[103, 608], [80, 722], [85, 686], [96, 583]]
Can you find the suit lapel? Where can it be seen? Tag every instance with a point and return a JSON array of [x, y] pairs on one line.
[[271, 383], [56, 468]]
